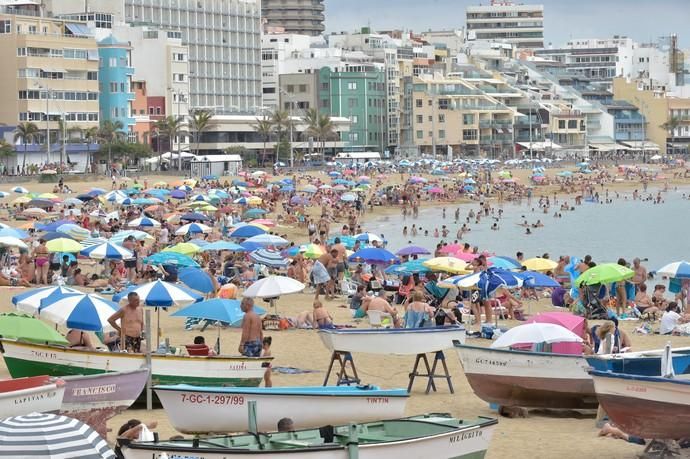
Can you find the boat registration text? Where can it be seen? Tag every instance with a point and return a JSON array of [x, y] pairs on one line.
[[200, 399], [465, 436]]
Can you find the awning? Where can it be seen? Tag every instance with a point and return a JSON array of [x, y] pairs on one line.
[[78, 30], [540, 146], [639, 145], [52, 70], [604, 146]]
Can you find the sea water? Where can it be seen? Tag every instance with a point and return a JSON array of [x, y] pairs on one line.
[[625, 228]]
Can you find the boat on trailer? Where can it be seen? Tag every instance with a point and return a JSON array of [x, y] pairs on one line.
[[438, 436], [37, 394], [400, 341], [193, 409]]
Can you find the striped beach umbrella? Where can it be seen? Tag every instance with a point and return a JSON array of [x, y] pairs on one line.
[[30, 301], [193, 228], [144, 222], [115, 196], [107, 251], [79, 311], [39, 435], [678, 270], [268, 240], [163, 294], [269, 258], [120, 236], [4, 194], [76, 232]]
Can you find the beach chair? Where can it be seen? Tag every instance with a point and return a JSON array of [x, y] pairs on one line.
[[348, 288], [378, 319], [197, 349]]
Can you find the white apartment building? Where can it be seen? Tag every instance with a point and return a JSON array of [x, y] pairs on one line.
[[223, 38], [522, 25], [276, 49]]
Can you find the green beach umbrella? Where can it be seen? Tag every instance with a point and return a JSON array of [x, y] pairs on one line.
[[605, 273], [25, 327]]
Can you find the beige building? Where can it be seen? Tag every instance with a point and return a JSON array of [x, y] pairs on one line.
[[659, 108], [455, 113], [49, 72]]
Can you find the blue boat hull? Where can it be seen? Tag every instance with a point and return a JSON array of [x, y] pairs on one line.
[[641, 366]]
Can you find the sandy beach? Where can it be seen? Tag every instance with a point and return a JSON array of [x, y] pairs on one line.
[[540, 435]]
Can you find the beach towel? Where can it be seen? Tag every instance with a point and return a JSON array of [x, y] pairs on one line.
[[292, 370], [319, 273]]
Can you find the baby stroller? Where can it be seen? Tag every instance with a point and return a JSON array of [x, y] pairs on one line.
[[594, 309]]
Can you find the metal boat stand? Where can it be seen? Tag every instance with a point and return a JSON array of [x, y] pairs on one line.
[[344, 378], [430, 372]]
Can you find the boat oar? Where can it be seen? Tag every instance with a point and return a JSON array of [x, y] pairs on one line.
[[352, 442], [253, 425]]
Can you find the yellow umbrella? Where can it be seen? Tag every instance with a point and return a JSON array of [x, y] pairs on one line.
[[254, 200], [539, 264], [185, 248], [48, 196], [21, 200], [208, 208], [447, 264], [161, 184], [191, 182], [63, 244], [313, 251]]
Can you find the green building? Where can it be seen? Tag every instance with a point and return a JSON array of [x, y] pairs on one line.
[[360, 95]]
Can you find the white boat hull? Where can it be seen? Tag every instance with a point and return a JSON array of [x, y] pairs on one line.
[[468, 444], [393, 341], [194, 412], [529, 379], [42, 399]]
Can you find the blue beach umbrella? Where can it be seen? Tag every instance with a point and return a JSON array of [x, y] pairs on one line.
[[79, 311], [676, 270], [270, 258], [14, 232], [412, 250], [504, 262], [217, 309], [409, 267], [194, 216], [193, 228], [487, 282], [30, 301], [247, 231], [170, 258], [197, 279], [52, 226], [267, 240], [373, 256], [145, 222], [178, 194], [107, 251], [161, 294], [534, 279], [250, 246], [223, 245], [254, 213]]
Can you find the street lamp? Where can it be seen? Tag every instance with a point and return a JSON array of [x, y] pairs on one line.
[[47, 119], [178, 94], [292, 106]]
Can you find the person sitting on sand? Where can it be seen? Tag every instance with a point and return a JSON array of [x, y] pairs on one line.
[[643, 302], [509, 301], [200, 340], [620, 341], [321, 316], [671, 319], [380, 303], [658, 299], [79, 340], [418, 312]]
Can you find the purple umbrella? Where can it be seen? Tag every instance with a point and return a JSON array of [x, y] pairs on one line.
[[297, 200], [178, 194], [412, 250]]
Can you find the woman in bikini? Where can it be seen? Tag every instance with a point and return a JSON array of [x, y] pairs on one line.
[[42, 258]]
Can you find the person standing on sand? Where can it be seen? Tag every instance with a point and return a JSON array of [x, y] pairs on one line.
[[131, 318], [640, 274], [251, 342]]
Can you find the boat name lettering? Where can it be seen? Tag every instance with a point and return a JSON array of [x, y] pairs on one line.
[[377, 400], [34, 398], [96, 390], [495, 363], [218, 399], [178, 456], [237, 366], [44, 355], [635, 389], [465, 436]]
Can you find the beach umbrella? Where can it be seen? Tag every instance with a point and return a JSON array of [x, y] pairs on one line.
[[197, 279], [30, 301], [368, 237], [217, 309], [676, 270], [575, 324], [41, 203], [76, 232], [115, 196], [251, 213], [199, 242], [268, 240], [178, 194], [120, 236], [534, 279], [21, 200], [539, 264], [504, 262], [605, 273], [73, 202], [312, 251], [348, 197], [194, 216], [536, 333], [14, 232], [64, 245], [9, 241], [447, 264], [144, 222], [273, 286], [20, 190], [372, 255], [412, 250], [348, 241], [487, 282], [184, 248], [193, 228], [309, 189], [107, 251], [170, 258], [4, 194], [39, 436], [270, 258], [26, 327], [223, 245], [79, 311], [34, 212], [161, 294], [408, 267], [246, 231]]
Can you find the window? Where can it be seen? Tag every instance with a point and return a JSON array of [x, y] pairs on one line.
[[269, 90], [468, 119], [561, 124], [441, 118], [112, 62], [20, 51], [93, 76], [469, 134], [179, 57], [113, 88], [419, 103], [352, 102], [441, 134], [354, 136], [352, 86], [420, 119], [122, 87], [158, 110], [420, 134], [291, 88], [6, 26], [151, 111], [572, 124], [180, 77], [303, 88], [431, 119], [32, 29], [354, 119], [324, 86]]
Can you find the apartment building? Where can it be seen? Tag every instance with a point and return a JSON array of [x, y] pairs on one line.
[[304, 17], [115, 80], [49, 73], [504, 21], [276, 51]]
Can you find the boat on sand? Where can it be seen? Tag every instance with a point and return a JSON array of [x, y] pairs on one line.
[[38, 394], [400, 341], [438, 436], [193, 409]]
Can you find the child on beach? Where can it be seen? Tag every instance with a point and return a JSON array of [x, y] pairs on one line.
[[321, 316], [266, 352]]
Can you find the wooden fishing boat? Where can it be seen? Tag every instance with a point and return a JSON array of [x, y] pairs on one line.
[[528, 379], [193, 409], [435, 436], [643, 363], [93, 399], [22, 396], [646, 406], [28, 359], [400, 341]]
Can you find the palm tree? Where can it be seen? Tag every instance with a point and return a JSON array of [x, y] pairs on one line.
[[110, 132], [282, 123], [319, 126], [198, 122], [264, 127], [89, 136], [171, 127], [6, 152], [25, 132], [670, 126]]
